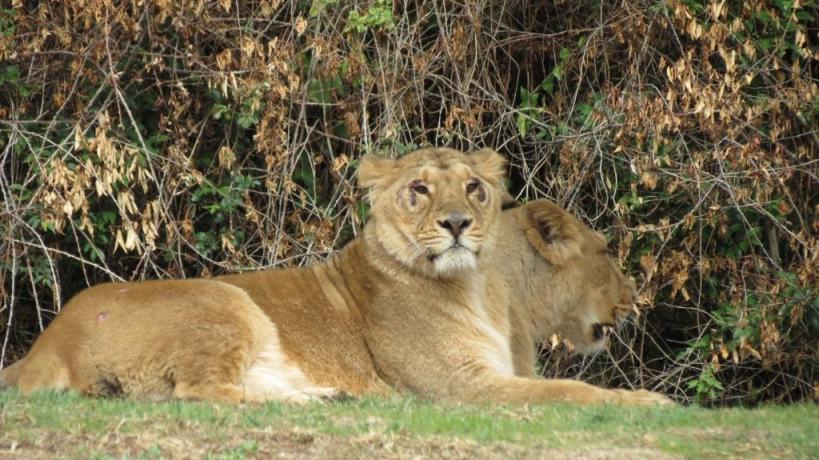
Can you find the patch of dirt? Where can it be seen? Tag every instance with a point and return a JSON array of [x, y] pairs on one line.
[[289, 444]]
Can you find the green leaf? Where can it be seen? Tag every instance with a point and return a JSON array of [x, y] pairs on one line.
[[246, 120], [10, 74], [522, 123], [548, 84], [557, 71], [804, 17], [219, 111], [564, 54]]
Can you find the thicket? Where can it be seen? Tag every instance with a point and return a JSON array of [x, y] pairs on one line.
[[158, 138]]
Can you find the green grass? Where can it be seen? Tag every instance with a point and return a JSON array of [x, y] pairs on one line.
[[66, 425]]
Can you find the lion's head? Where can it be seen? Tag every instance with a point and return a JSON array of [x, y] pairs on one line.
[[434, 209], [561, 276]]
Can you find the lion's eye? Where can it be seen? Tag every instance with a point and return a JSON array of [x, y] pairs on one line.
[[418, 187], [473, 185]]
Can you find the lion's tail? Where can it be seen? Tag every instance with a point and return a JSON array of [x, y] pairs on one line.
[[10, 374]]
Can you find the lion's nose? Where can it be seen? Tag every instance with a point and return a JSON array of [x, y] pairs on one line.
[[455, 224]]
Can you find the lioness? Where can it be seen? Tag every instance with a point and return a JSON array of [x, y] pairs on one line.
[[277, 334], [560, 280], [470, 335], [401, 306]]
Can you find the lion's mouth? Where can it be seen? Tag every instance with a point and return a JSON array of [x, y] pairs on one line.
[[456, 246], [602, 330]]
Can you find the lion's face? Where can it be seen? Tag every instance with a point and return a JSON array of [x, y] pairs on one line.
[[574, 286], [434, 209], [597, 295]]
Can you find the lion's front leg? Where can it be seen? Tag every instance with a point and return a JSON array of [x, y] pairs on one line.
[[495, 388]]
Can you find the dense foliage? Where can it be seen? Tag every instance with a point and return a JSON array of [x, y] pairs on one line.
[[157, 138]]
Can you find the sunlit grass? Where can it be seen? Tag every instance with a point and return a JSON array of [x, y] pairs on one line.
[[773, 431]]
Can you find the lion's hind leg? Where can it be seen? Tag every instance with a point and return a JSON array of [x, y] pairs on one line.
[[235, 394], [10, 374], [221, 392], [272, 377], [43, 371], [206, 365]]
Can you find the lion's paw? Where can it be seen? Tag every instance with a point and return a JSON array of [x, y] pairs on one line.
[[644, 398]]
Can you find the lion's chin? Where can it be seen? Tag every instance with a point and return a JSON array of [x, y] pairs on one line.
[[590, 348], [453, 261]]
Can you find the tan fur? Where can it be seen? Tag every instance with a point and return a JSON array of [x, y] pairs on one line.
[[276, 334], [472, 337], [560, 280], [402, 307]]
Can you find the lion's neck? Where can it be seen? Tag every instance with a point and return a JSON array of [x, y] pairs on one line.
[[534, 302], [348, 275], [387, 262], [379, 258]]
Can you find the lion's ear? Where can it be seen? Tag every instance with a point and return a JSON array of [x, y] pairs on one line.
[[490, 165], [553, 233], [375, 170], [508, 201]]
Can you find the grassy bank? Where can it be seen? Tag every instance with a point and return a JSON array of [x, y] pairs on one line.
[[65, 425]]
